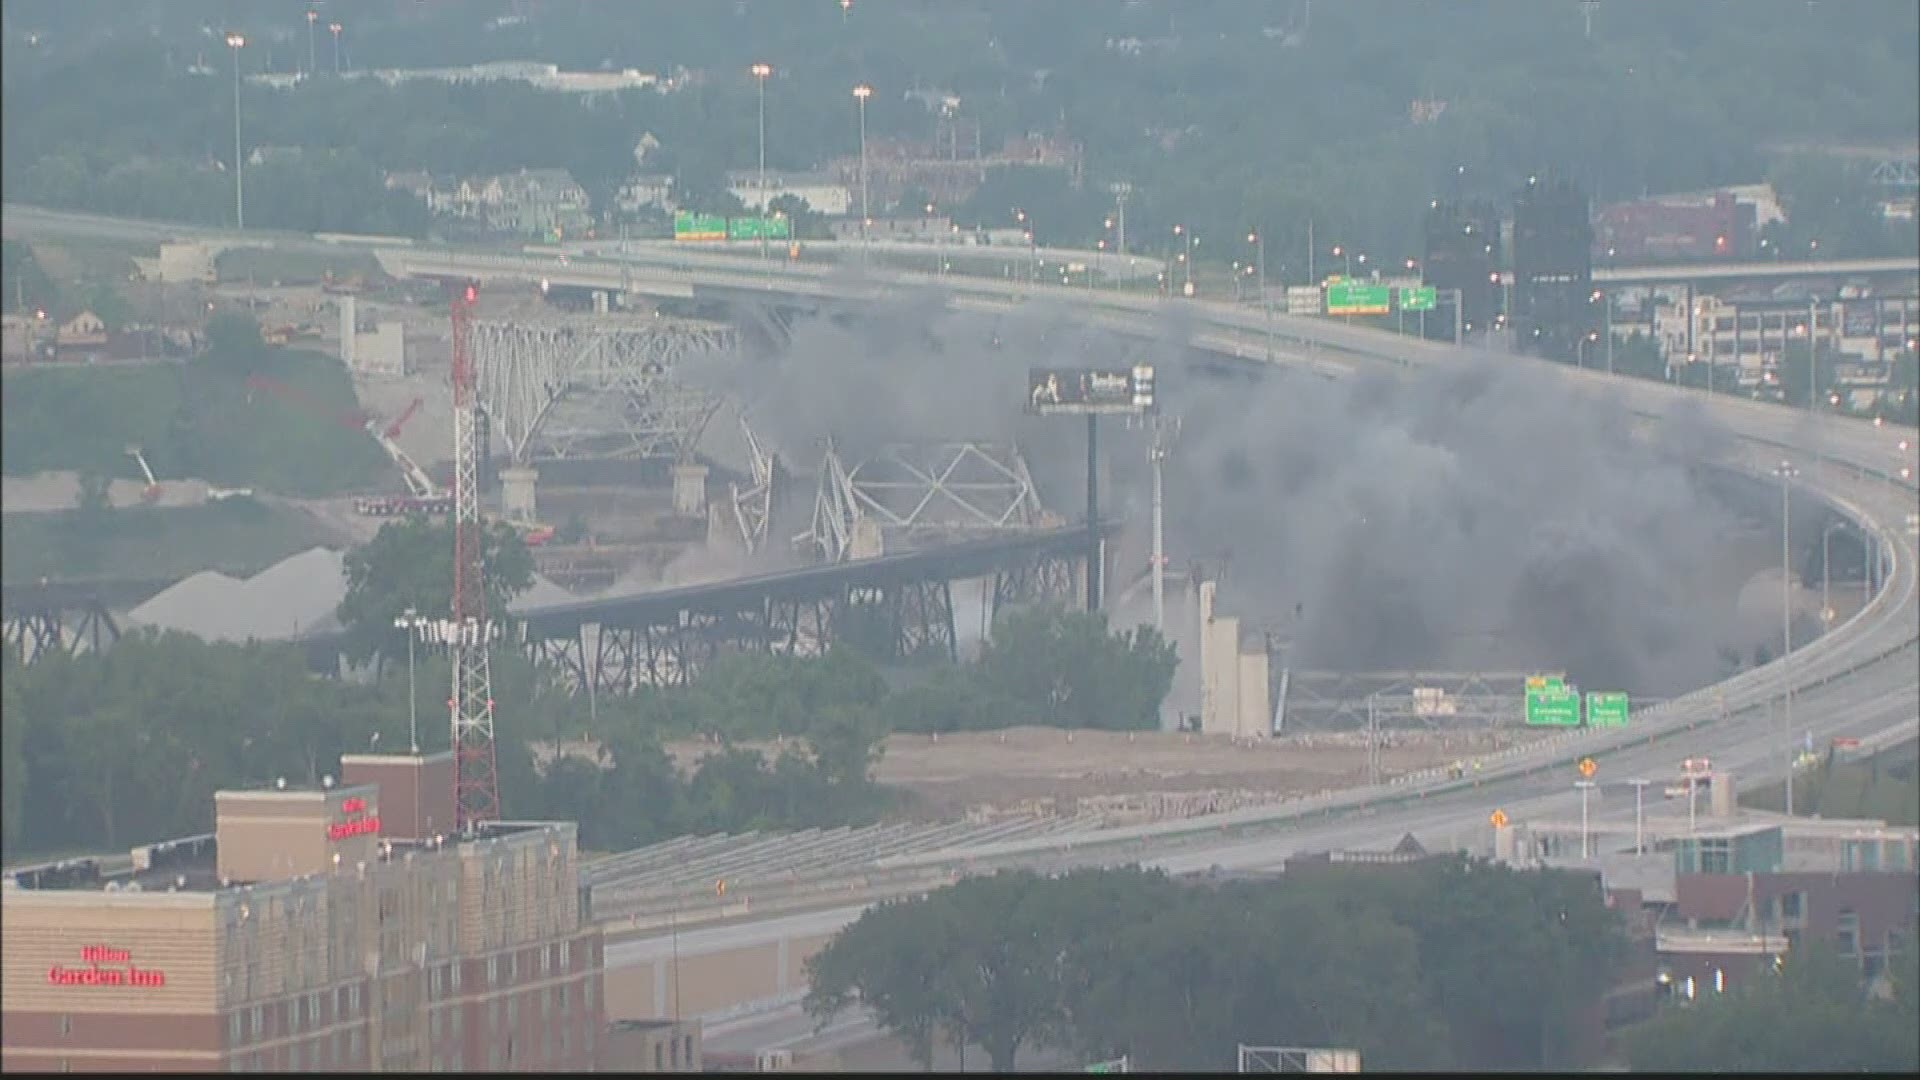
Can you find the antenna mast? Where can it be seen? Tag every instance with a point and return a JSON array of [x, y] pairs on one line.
[[476, 782]]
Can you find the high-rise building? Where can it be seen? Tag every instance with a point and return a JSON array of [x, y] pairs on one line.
[[328, 929], [1463, 253], [1555, 309]]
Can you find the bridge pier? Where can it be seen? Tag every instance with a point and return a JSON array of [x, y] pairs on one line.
[[690, 491], [517, 496]]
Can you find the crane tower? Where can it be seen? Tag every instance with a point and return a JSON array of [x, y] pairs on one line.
[[476, 783]]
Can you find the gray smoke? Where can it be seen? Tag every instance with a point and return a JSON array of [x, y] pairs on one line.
[[1480, 516]]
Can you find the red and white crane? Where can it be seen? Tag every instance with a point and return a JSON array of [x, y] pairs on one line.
[[425, 496]]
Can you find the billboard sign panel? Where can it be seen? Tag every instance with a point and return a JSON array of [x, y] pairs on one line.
[[1303, 300], [1423, 298], [1349, 298], [1607, 710], [1090, 391]]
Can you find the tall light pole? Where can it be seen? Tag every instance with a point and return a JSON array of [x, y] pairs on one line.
[[1120, 189], [236, 42], [1639, 816], [760, 73], [1163, 430], [1585, 786], [312, 64], [1266, 306], [335, 28], [1786, 472], [860, 94], [411, 622]]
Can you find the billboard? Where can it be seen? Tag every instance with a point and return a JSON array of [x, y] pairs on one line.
[[1090, 391], [1350, 298]]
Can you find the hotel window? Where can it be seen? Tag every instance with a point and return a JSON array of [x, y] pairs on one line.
[[433, 983], [353, 1046], [493, 971], [453, 976], [293, 1058], [566, 955], [433, 1025], [513, 965], [353, 999], [293, 1012], [586, 993], [563, 996], [233, 1028], [546, 960], [313, 1008], [1848, 933], [659, 1058], [258, 1025]]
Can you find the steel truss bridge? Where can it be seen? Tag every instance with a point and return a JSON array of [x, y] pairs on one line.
[[562, 387], [47, 618], [896, 605], [920, 493]]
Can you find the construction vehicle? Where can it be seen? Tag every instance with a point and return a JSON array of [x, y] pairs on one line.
[[424, 496], [150, 493]]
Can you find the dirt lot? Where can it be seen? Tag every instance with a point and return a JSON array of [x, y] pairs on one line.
[[1147, 776]]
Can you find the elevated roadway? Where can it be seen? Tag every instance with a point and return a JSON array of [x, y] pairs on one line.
[[1859, 680]]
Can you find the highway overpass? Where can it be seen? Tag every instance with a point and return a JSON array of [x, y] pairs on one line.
[[1859, 680]]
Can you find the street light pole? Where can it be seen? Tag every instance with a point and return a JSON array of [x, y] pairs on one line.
[[1585, 786], [760, 73], [235, 42], [1266, 306], [861, 93], [409, 621], [336, 28], [1786, 472], [313, 66], [1639, 816]]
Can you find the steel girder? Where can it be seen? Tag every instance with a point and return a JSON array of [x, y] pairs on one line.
[[907, 619], [53, 619], [569, 387], [940, 492], [1323, 700], [753, 505]]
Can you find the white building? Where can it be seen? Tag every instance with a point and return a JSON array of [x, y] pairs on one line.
[[1745, 339], [822, 193]]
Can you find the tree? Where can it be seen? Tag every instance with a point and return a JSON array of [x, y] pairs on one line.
[[409, 564], [13, 761], [1812, 1016], [890, 961], [1063, 668]]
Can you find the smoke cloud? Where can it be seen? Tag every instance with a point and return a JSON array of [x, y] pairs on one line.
[[1482, 516], [1476, 517]]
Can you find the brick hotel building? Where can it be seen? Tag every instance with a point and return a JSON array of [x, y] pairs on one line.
[[332, 929]]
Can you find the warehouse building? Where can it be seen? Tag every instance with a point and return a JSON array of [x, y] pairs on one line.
[[326, 929]]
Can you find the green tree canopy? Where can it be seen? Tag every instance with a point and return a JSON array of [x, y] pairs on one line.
[[409, 564]]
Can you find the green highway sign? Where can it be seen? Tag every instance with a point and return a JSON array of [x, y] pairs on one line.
[[691, 226], [745, 228], [1553, 706], [1607, 710], [1420, 299], [1347, 298]]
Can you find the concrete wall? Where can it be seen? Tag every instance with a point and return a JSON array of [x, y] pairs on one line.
[[710, 981], [273, 835], [381, 351]]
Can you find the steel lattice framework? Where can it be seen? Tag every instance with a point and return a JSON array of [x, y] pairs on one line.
[[753, 504], [51, 618], [936, 492], [1337, 700], [571, 387], [476, 783]]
